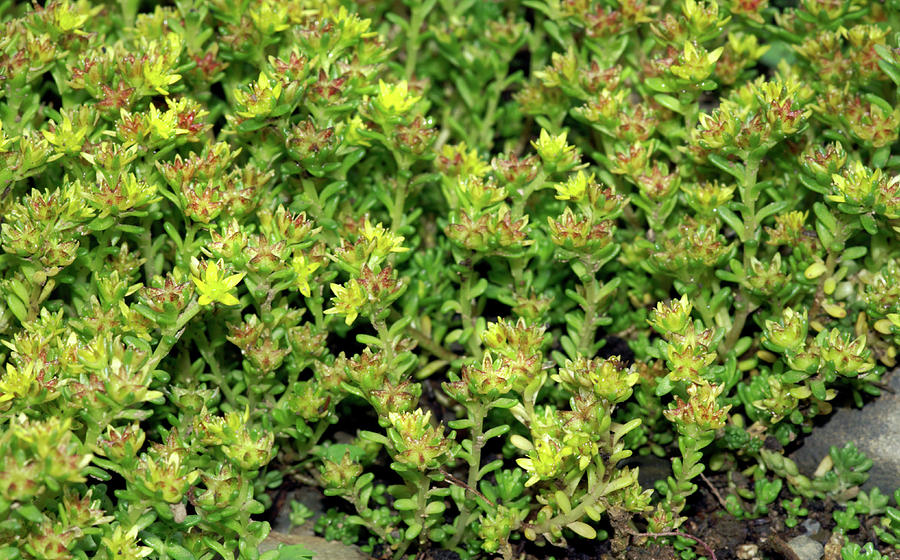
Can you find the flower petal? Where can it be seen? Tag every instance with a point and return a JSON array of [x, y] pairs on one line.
[[201, 285], [212, 272], [233, 280], [304, 288], [228, 299]]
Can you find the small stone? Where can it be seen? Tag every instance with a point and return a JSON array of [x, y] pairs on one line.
[[811, 526], [179, 512], [806, 549], [874, 429], [321, 548], [747, 552]]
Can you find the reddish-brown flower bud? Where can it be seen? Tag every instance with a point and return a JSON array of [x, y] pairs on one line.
[[416, 137], [399, 398], [578, 234], [515, 172], [603, 22], [657, 183], [308, 341], [113, 100], [121, 444]]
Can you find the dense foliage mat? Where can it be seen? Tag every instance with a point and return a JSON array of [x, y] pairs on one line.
[[453, 262]]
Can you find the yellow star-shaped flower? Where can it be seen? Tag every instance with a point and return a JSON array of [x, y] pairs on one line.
[[348, 300], [214, 288], [303, 268]]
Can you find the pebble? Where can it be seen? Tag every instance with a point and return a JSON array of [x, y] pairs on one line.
[[874, 429], [332, 550], [811, 526], [806, 548]]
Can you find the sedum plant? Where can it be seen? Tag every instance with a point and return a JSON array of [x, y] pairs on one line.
[[458, 264]]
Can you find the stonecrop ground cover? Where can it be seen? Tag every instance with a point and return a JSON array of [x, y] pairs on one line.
[[233, 232]]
